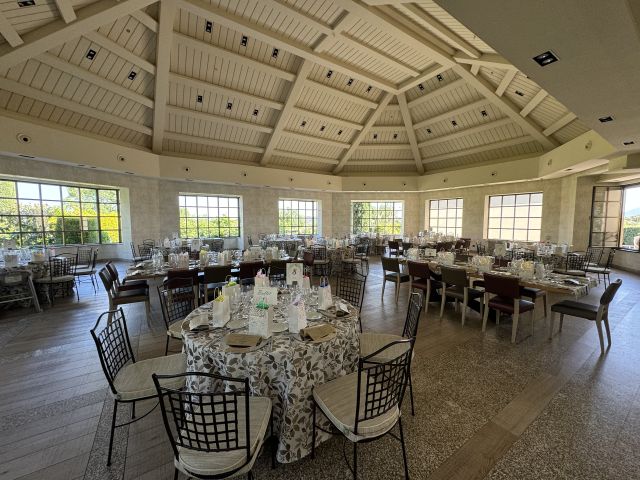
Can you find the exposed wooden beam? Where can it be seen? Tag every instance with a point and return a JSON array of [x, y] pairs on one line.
[[65, 7], [373, 117], [167, 12], [433, 71], [57, 32], [475, 69], [387, 2], [225, 54], [344, 23], [84, 74], [450, 114], [561, 122], [482, 148], [425, 97], [234, 94], [236, 22], [120, 51], [506, 81], [534, 102], [302, 156], [388, 128], [146, 19], [453, 38], [381, 161], [34, 93], [466, 132], [9, 32], [387, 147], [376, 54], [490, 60], [408, 123], [319, 140], [181, 137], [349, 97], [292, 98], [209, 117], [338, 122]]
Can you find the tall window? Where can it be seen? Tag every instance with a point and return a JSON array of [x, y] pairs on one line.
[[208, 216], [297, 217], [631, 220], [48, 214], [445, 216], [385, 218], [605, 216], [515, 217]]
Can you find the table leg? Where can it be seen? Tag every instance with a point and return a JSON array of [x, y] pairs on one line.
[[34, 295]]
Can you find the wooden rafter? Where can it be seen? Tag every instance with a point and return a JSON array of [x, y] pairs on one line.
[[9, 32], [394, 147], [563, 121], [120, 51], [433, 71], [338, 122], [408, 123], [292, 98], [65, 7], [490, 60], [146, 19], [163, 63], [428, 96], [373, 116], [534, 102], [304, 156], [58, 32], [344, 23], [341, 94], [211, 142], [466, 132], [319, 140], [450, 114], [479, 149], [210, 117], [506, 81]]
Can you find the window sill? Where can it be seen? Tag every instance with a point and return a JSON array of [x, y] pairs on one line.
[[630, 250]]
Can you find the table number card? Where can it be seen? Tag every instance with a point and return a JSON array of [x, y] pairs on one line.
[[294, 273], [267, 294], [430, 252]]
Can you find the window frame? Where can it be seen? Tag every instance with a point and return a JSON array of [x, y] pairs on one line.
[[513, 228], [619, 244], [82, 232], [315, 227], [459, 214], [393, 219], [622, 217], [183, 230]]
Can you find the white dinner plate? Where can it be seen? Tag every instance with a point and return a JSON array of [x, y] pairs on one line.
[[313, 315], [237, 323], [280, 327]]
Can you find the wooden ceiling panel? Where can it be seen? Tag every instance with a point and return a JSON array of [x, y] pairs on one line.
[[298, 164], [381, 154], [132, 35], [214, 130], [431, 85], [464, 121], [26, 19], [548, 111], [390, 117], [314, 126], [210, 152], [521, 85], [321, 102], [382, 167], [295, 144], [327, 12], [341, 82], [489, 157], [446, 102]]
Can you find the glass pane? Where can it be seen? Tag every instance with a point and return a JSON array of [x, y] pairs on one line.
[[494, 233], [108, 210], [28, 190], [90, 237], [506, 234], [29, 239], [71, 208], [509, 200], [7, 188], [597, 239], [89, 223], [612, 224], [507, 223], [495, 212], [522, 212], [451, 203], [50, 192], [534, 236], [508, 212], [89, 195], [72, 224], [535, 211], [8, 206], [191, 201], [520, 235], [614, 195], [599, 194], [70, 193], [536, 199], [9, 224], [51, 208], [522, 199], [599, 209], [535, 223], [459, 203], [29, 207], [91, 209], [53, 223], [613, 209], [108, 196], [54, 237], [495, 201], [597, 225], [109, 237], [521, 223]]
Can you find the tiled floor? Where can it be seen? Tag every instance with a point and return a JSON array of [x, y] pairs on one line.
[[485, 408]]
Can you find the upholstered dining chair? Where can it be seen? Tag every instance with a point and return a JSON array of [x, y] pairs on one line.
[[278, 270], [394, 247], [219, 433], [248, 271], [129, 380], [177, 300], [455, 284], [365, 405], [420, 278], [124, 284], [213, 277], [392, 266], [373, 341], [119, 297], [597, 313], [502, 293]]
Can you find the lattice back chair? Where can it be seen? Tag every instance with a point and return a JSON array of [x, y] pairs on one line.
[[177, 300], [217, 245], [88, 270], [363, 250], [62, 270], [604, 268], [129, 381], [213, 277], [321, 262], [577, 264], [369, 400], [351, 286], [481, 248], [182, 273], [145, 251], [278, 270], [205, 428], [597, 254], [84, 256], [149, 241]]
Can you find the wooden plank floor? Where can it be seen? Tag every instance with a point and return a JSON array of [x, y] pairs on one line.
[[485, 408]]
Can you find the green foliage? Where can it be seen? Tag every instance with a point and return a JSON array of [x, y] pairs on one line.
[[377, 217], [207, 227], [631, 229], [292, 222]]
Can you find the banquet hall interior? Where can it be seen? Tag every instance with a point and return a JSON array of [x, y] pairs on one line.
[[319, 239]]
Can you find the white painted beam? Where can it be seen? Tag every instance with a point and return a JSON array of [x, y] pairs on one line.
[[231, 93], [433, 71], [427, 96], [9, 32], [534, 102], [380, 162], [376, 55], [34, 93], [146, 19], [387, 147], [388, 128], [558, 124], [120, 51], [466, 132], [506, 81], [344, 23], [490, 60], [84, 74], [475, 69], [292, 98], [373, 117], [167, 9], [478, 104], [58, 32], [408, 123], [210, 49], [480, 149], [327, 119], [302, 156], [65, 7], [319, 140], [349, 97], [181, 137], [209, 117]]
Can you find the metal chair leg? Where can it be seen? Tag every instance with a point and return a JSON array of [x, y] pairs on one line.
[[404, 451], [113, 427], [355, 461], [413, 413], [175, 473], [133, 410], [313, 432]]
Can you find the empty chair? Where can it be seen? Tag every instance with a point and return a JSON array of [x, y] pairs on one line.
[[17, 286], [349, 261], [220, 433], [248, 270], [320, 261], [119, 297], [84, 257], [392, 266], [371, 342], [605, 269], [365, 405], [362, 253], [394, 247], [455, 284], [61, 278], [126, 284], [351, 287], [136, 257], [192, 273], [129, 380], [308, 262], [506, 299], [420, 278], [576, 265], [213, 277], [177, 300], [597, 313], [88, 270], [145, 251], [278, 270]]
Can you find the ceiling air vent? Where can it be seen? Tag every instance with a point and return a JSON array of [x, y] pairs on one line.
[[545, 58]]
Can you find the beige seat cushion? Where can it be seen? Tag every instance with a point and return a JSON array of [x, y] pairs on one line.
[[371, 342], [217, 463], [337, 400], [175, 329], [134, 380]]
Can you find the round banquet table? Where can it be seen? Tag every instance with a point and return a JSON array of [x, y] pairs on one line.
[[284, 368]]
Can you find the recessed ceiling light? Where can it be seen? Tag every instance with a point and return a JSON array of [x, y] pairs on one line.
[[329, 73], [339, 132], [395, 135], [91, 54], [439, 77], [244, 41], [368, 88], [26, 3], [132, 75], [208, 27], [274, 53], [428, 130], [606, 119], [545, 58], [375, 136], [303, 123], [420, 87], [568, 169], [454, 123], [229, 105], [255, 112], [350, 82], [25, 156], [322, 128], [519, 93], [483, 113], [628, 142], [199, 99]]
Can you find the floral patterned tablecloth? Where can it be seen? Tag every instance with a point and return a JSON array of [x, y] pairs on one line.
[[286, 369]]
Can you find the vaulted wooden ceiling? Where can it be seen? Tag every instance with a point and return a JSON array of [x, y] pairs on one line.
[[341, 87]]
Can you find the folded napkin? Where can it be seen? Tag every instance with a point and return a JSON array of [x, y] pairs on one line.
[[242, 340], [318, 333]]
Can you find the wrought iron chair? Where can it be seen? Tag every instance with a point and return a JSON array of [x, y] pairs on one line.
[[18, 287], [129, 380], [365, 405], [604, 270], [62, 270], [88, 270], [320, 261], [351, 287], [177, 300]]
